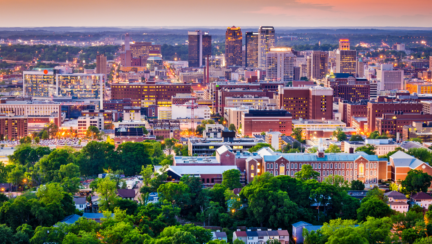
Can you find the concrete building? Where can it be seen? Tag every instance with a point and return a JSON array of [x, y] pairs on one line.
[[280, 62], [84, 122], [274, 139], [266, 40], [251, 49], [382, 146], [419, 87], [319, 64], [348, 87], [250, 101], [346, 59], [164, 113], [101, 64], [234, 115], [233, 46], [417, 129], [189, 109], [132, 113], [213, 131], [307, 102], [199, 48]]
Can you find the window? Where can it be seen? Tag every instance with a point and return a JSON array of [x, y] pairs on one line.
[[252, 167], [252, 175], [276, 165], [331, 166], [319, 166], [268, 166]]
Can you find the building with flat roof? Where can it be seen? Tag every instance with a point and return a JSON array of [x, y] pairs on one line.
[[266, 40], [251, 49], [256, 121], [417, 129], [306, 102], [233, 46], [393, 123], [84, 122], [13, 127], [280, 62]]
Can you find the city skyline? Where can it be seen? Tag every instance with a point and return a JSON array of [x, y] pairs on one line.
[[290, 13]]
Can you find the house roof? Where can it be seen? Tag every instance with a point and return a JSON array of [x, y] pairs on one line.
[[421, 196], [251, 233], [283, 232], [198, 170], [71, 219], [312, 227], [223, 149], [401, 159], [308, 157], [241, 233], [273, 233], [126, 193], [79, 200], [220, 234], [94, 215], [262, 233], [398, 203], [395, 195], [300, 223]]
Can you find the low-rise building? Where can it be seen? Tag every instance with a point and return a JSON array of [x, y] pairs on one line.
[[382, 146], [80, 203], [418, 129], [213, 131], [256, 235], [84, 122], [274, 138], [397, 201], [257, 121], [401, 163], [218, 235], [422, 199]]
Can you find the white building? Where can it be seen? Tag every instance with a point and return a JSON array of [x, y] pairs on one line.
[[80, 203], [164, 113], [251, 102], [131, 113], [280, 64], [274, 139], [84, 122], [390, 79], [213, 131], [182, 111]]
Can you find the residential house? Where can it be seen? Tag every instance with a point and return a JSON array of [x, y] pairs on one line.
[[297, 231], [422, 199], [397, 201], [80, 203], [126, 193], [255, 236], [218, 235]]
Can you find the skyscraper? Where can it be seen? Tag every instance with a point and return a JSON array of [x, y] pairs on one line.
[[266, 40], [101, 64], [346, 59], [199, 47], [280, 64], [233, 46], [251, 49], [319, 64]]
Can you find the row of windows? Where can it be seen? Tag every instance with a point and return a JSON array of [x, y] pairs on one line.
[[318, 165]]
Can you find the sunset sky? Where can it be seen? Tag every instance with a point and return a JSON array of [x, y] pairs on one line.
[[289, 13]]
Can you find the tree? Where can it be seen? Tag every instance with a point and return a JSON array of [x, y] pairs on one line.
[[92, 132], [169, 144], [96, 156], [356, 138], [37, 140], [357, 185], [16, 175], [231, 179], [307, 173], [376, 135], [50, 193], [145, 132], [421, 153], [373, 207], [416, 181], [346, 235], [426, 240], [232, 127], [297, 134], [258, 146], [369, 149], [416, 140], [339, 134], [133, 155], [107, 190], [333, 149], [45, 135], [337, 181], [109, 140], [6, 234], [222, 121]]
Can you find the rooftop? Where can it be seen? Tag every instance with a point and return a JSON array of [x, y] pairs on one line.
[[307, 157]]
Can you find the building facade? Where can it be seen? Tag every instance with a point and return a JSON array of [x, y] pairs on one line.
[[199, 47], [280, 64], [266, 40], [251, 49], [233, 46]]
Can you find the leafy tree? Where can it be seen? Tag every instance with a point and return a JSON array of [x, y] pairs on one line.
[[373, 207], [416, 181], [231, 179], [128, 205], [297, 134], [357, 185], [258, 146], [92, 132], [393, 187], [369, 149], [421, 153], [376, 135], [307, 173], [96, 156], [50, 165], [356, 138], [6, 234], [346, 235], [16, 175], [169, 144], [337, 181], [44, 135], [232, 127], [339, 134], [107, 190], [425, 240], [134, 155], [37, 140], [333, 149], [50, 193], [416, 140]]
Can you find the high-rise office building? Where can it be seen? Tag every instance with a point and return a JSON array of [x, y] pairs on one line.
[[346, 59], [319, 64], [233, 46], [266, 40], [280, 64], [101, 64], [251, 49], [199, 47]]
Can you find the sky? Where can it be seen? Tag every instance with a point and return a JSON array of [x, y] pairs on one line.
[[282, 13]]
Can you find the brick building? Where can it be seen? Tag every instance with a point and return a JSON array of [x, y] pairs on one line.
[[149, 93], [377, 109], [347, 87], [165, 128], [182, 98], [269, 87], [13, 127], [306, 102], [121, 103], [417, 129], [393, 123], [110, 116], [349, 110], [256, 121], [225, 93]]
